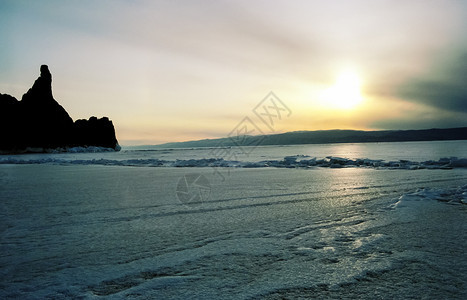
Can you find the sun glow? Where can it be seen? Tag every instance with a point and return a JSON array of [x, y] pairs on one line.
[[345, 93]]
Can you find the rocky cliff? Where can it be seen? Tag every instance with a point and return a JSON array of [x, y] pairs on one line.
[[38, 123]]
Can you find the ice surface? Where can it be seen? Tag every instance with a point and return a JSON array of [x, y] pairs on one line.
[[457, 195], [286, 222], [92, 231]]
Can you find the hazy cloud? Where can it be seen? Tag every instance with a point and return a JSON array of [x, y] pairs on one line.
[[420, 117], [444, 86], [173, 62]]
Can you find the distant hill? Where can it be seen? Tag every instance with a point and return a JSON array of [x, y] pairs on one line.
[[329, 136]]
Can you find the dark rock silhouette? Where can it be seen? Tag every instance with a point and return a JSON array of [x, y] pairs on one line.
[[95, 132], [38, 123]]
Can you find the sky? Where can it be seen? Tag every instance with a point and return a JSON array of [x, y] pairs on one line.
[[166, 71]]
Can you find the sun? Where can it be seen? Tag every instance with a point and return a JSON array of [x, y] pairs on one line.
[[345, 93]]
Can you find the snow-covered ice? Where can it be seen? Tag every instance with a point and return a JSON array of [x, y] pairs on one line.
[[93, 231]]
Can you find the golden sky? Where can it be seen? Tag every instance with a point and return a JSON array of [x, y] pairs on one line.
[[167, 71]]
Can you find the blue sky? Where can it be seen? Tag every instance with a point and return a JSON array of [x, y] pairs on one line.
[[180, 70]]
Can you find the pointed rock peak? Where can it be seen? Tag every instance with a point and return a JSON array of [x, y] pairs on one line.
[[45, 73], [41, 91]]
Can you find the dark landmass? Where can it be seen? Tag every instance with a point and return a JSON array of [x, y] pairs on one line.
[[328, 137], [38, 123]]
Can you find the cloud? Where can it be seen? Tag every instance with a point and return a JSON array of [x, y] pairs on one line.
[[195, 61], [422, 119], [444, 87]]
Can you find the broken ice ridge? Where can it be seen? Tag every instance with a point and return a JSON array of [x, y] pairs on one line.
[[293, 162]]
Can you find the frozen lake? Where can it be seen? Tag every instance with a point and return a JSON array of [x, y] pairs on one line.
[[81, 230]]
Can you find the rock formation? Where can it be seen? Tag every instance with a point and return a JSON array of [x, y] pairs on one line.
[[38, 123]]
